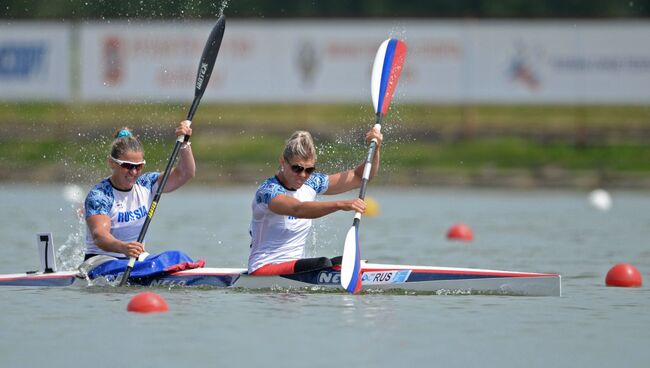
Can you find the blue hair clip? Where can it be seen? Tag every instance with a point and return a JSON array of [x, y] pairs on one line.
[[124, 133]]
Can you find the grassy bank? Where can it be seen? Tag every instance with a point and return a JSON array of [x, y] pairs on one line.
[[425, 145]]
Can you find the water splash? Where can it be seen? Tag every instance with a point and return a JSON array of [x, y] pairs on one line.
[[73, 193], [222, 7], [71, 253]]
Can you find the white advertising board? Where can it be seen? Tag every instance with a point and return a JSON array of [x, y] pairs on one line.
[[34, 61], [284, 61], [561, 62], [330, 61]]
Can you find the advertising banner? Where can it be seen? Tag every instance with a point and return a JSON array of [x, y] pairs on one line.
[[330, 61], [34, 61]]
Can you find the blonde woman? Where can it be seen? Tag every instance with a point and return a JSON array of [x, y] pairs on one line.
[[285, 204], [116, 207]]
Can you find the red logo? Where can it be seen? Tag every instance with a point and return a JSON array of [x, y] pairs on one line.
[[112, 60]]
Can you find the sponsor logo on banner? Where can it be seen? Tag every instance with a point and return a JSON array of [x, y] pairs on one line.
[[307, 61], [22, 61], [522, 70], [385, 277], [112, 61]]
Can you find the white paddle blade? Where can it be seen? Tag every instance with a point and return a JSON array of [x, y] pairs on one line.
[[375, 79], [385, 73], [350, 265]]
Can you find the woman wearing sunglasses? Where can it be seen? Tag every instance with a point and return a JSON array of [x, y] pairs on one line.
[[285, 204], [116, 207]]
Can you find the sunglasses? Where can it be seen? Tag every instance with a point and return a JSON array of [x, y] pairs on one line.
[[299, 169], [128, 164]]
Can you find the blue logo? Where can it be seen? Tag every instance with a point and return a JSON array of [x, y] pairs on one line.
[[129, 216], [385, 277], [22, 61], [401, 276]]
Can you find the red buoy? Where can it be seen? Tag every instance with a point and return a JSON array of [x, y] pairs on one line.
[[623, 274], [147, 302], [460, 232]]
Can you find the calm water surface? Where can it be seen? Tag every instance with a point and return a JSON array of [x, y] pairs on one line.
[[542, 231]]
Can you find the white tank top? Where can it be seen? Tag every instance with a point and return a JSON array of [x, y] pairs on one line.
[[277, 238], [127, 209]]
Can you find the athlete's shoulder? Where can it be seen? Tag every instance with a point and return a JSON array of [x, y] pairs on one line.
[[268, 190], [99, 199], [148, 179], [319, 182]]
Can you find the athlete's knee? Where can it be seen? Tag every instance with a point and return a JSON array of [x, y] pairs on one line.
[[273, 269], [336, 261]]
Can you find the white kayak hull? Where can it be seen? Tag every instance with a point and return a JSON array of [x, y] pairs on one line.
[[419, 279]]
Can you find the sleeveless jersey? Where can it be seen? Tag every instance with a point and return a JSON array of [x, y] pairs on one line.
[[277, 238], [127, 209]]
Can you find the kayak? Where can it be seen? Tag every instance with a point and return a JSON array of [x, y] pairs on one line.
[[375, 277]]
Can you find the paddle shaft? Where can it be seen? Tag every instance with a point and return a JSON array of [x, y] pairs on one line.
[[163, 182], [208, 58], [367, 168], [350, 267], [154, 203]]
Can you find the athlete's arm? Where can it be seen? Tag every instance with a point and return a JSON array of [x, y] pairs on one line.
[[100, 229], [186, 167], [347, 180], [289, 206]]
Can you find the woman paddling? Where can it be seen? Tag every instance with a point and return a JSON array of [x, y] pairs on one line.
[[284, 206], [116, 207]]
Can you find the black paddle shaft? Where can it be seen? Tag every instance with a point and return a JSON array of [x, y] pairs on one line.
[[203, 74], [206, 65]]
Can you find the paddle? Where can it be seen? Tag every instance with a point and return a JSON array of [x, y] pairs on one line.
[[385, 73], [206, 65]]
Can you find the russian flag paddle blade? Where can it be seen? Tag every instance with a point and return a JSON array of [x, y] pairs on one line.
[[351, 267], [385, 72]]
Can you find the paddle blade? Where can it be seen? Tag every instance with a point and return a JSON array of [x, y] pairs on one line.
[[385, 73], [209, 56], [350, 266]]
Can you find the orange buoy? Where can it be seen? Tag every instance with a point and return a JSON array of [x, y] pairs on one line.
[[147, 302], [460, 232], [623, 274]]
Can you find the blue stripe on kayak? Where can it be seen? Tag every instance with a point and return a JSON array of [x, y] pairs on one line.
[[435, 276]]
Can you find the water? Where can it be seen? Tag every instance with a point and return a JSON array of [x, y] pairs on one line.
[[547, 231]]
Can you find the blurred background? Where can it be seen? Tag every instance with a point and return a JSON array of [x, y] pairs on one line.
[[493, 93]]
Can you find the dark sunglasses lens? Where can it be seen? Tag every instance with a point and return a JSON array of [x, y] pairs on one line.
[[298, 169], [132, 166]]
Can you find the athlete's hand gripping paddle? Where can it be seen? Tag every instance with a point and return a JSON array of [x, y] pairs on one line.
[[206, 65], [385, 73]]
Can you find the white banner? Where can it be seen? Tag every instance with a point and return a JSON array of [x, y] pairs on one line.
[[562, 62], [330, 61], [34, 61]]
